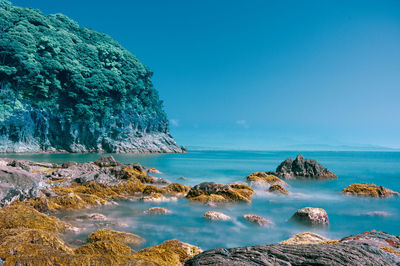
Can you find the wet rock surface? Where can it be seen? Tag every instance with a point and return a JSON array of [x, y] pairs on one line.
[[303, 168], [265, 178], [257, 220], [311, 217], [210, 192], [363, 249], [305, 238], [369, 190], [216, 216], [278, 189]]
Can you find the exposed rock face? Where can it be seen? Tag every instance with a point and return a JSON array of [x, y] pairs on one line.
[[303, 168], [255, 219], [369, 250], [305, 238], [311, 216], [278, 189], [212, 192], [216, 216], [369, 190]]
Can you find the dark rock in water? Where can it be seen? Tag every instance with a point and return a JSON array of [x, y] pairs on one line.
[[303, 168], [107, 161], [355, 252], [311, 217]]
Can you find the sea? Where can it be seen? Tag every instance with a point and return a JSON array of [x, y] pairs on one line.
[[347, 214]]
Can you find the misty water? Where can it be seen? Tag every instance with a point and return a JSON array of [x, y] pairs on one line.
[[347, 214]]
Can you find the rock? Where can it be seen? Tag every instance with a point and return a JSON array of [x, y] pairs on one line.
[[216, 216], [16, 183], [93, 217], [111, 235], [158, 197], [150, 189], [184, 149], [213, 192], [263, 177], [303, 168], [369, 190], [346, 252], [276, 188], [171, 252], [107, 161], [182, 178], [157, 211], [260, 221], [153, 171], [311, 217], [176, 189], [19, 215], [306, 238]]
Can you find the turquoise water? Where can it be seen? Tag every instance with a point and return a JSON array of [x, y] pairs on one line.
[[348, 215]]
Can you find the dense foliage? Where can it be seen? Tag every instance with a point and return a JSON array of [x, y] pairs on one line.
[[52, 64]]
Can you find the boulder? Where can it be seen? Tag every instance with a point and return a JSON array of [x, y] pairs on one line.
[[369, 190], [303, 168], [306, 238], [263, 177], [19, 184], [212, 192], [257, 220], [216, 216], [311, 217], [111, 235], [157, 211], [368, 250], [276, 188], [107, 161]]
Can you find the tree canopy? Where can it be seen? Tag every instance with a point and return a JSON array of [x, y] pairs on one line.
[[53, 64]]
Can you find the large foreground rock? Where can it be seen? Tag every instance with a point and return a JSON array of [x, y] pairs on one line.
[[370, 248], [17, 183], [303, 168]]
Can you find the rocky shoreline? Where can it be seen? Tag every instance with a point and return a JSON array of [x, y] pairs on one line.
[[31, 192]]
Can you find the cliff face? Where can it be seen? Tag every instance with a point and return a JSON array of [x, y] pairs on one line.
[[68, 88]]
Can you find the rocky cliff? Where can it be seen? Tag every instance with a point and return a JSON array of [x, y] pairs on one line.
[[68, 88]]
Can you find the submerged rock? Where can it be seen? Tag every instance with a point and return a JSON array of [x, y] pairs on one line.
[[260, 221], [307, 238], [303, 168], [278, 189], [216, 216], [212, 192], [311, 216], [263, 177], [369, 190], [157, 211], [345, 252]]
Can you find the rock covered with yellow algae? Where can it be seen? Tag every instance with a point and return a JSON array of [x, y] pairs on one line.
[[112, 235], [263, 177], [278, 189], [307, 238], [369, 190], [213, 192]]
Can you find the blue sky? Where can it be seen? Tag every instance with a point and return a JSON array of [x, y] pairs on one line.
[[262, 74]]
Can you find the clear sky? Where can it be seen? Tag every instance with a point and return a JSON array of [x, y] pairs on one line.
[[262, 74]]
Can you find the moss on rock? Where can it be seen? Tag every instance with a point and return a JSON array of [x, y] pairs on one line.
[[369, 190], [111, 235], [262, 177], [276, 188]]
